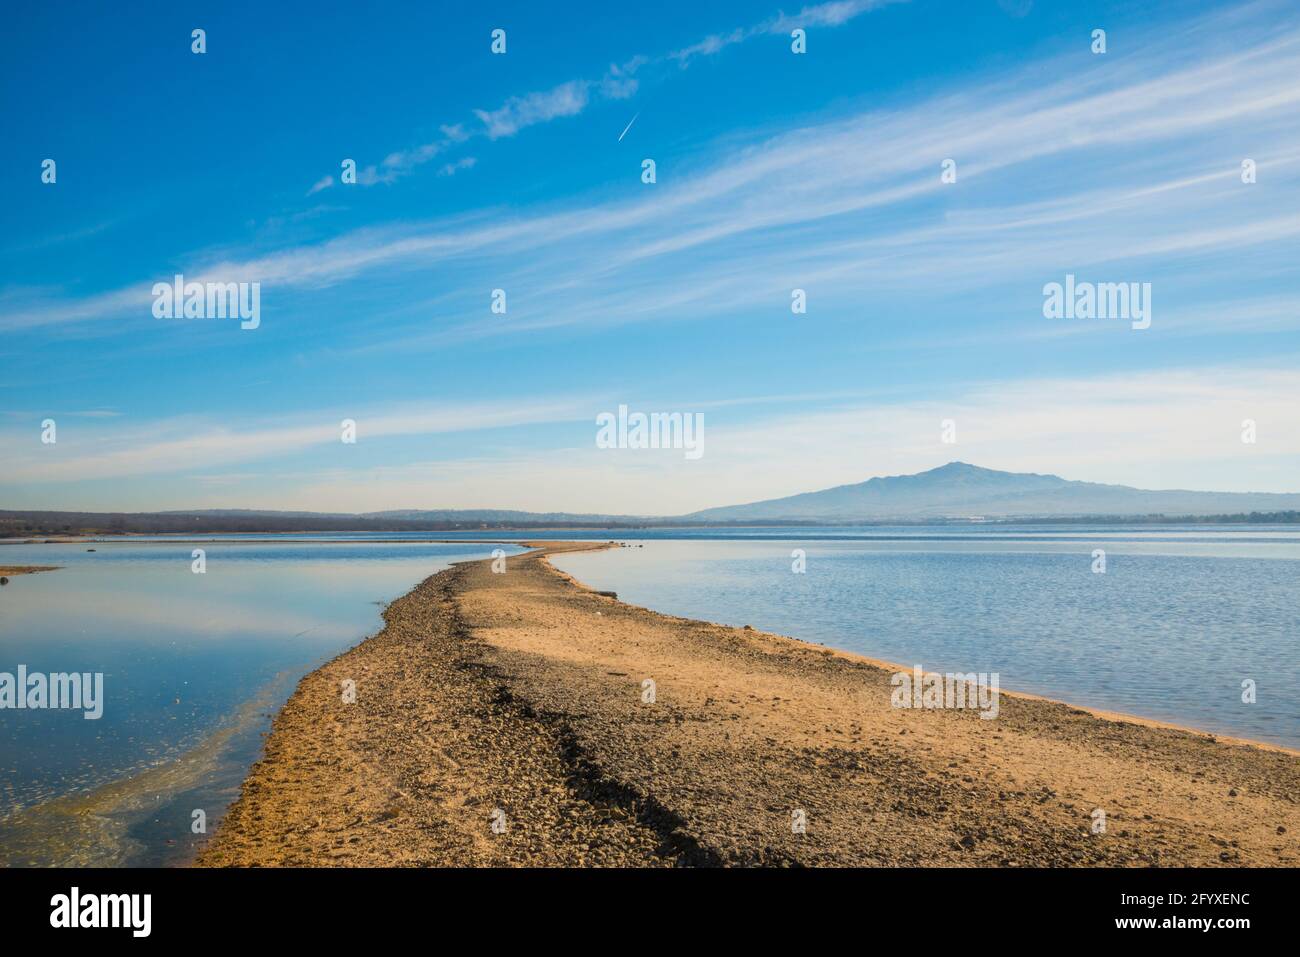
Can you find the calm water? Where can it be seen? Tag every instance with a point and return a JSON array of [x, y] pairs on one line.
[[194, 664], [1181, 616]]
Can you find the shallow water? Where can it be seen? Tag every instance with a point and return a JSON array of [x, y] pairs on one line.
[[193, 665], [1179, 619]]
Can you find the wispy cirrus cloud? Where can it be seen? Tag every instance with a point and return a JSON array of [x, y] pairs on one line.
[[833, 14], [1113, 428], [188, 443], [518, 112], [1126, 168], [451, 169], [572, 97]]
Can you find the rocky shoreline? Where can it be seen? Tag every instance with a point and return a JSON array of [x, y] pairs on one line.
[[522, 719]]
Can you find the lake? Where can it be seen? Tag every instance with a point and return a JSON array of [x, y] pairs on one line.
[[193, 665], [1178, 620], [196, 664]]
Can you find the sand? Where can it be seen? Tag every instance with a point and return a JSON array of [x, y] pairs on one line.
[[11, 570], [500, 720]]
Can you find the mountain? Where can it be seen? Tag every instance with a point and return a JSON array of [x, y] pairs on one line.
[[958, 490], [952, 491]]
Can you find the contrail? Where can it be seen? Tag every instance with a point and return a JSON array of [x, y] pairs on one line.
[[626, 128]]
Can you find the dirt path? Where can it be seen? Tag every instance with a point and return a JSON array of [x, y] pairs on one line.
[[518, 699]]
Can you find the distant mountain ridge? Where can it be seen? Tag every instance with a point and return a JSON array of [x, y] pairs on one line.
[[953, 492], [455, 515], [960, 490], [498, 515]]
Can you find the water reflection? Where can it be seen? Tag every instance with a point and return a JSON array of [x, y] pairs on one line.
[[193, 666], [1169, 632]]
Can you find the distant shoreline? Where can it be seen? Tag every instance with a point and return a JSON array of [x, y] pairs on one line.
[[10, 537], [520, 698]]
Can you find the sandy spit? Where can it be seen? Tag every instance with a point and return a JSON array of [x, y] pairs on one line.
[[501, 720]]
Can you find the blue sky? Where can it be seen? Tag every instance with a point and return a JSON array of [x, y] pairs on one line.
[[775, 171]]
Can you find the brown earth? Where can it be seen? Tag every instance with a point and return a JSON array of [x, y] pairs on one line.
[[518, 698]]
